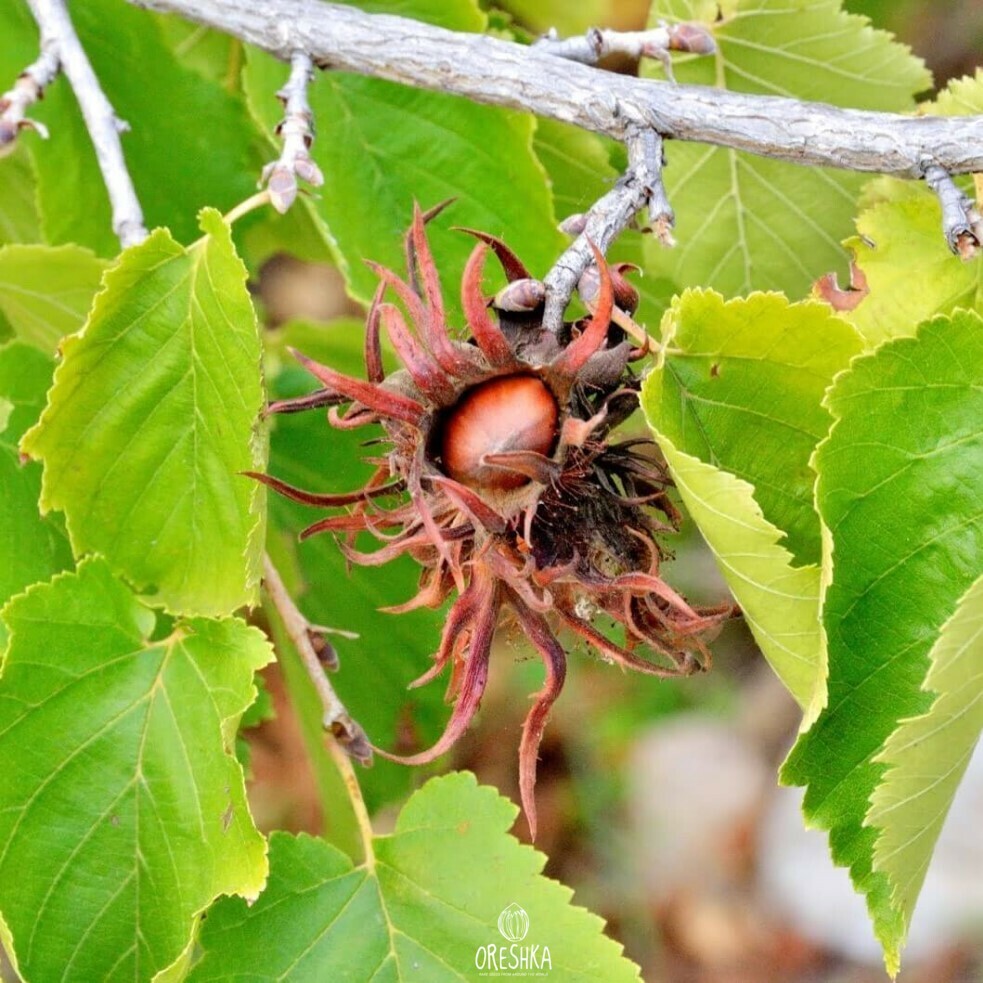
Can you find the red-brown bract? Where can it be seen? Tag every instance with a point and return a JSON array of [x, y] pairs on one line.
[[503, 483]]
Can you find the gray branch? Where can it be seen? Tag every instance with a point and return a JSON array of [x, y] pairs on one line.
[[490, 70], [962, 223], [640, 186], [297, 130], [316, 654], [58, 37]]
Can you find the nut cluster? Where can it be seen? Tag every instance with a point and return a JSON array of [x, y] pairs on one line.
[[502, 481]]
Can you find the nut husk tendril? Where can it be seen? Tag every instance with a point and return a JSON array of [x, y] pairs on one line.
[[504, 483]]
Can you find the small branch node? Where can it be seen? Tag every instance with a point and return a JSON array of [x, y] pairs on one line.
[[317, 653], [656, 42], [27, 90], [962, 224], [297, 130], [640, 186]]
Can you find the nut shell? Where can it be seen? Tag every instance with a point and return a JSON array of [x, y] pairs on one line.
[[509, 413]]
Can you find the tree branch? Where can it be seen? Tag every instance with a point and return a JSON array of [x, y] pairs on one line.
[[297, 130], [962, 224], [59, 41], [489, 70], [316, 653], [641, 185]]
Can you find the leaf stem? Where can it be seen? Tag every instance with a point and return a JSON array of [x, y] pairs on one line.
[[249, 205], [336, 719], [343, 763]]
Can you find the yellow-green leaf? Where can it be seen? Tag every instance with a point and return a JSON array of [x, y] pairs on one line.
[[122, 807], [152, 417]]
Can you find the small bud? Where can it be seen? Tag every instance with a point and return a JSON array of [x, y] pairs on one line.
[[662, 227], [694, 38], [520, 295], [323, 649], [283, 187], [8, 136], [573, 225], [308, 171]]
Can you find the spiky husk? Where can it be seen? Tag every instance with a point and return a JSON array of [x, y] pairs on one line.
[[572, 534]]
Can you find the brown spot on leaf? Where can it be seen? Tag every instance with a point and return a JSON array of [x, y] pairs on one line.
[[828, 288]]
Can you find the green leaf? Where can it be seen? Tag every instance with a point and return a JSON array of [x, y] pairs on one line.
[[910, 272], [747, 223], [735, 403], [567, 18], [191, 143], [411, 915], [46, 291], [779, 601], [391, 650], [900, 495], [961, 97], [927, 755], [740, 387], [391, 145], [32, 548], [18, 210], [151, 418], [122, 810]]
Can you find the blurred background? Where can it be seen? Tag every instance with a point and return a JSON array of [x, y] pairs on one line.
[[658, 799]]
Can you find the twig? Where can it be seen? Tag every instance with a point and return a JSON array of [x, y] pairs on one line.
[[302, 633], [641, 185], [27, 90], [297, 130], [962, 223], [489, 70], [250, 204], [59, 37], [656, 42], [344, 765]]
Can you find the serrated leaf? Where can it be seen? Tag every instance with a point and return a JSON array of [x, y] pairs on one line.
[[46, 291], [911, 274], [740, 386], [748, 223], [899, 492], [391, 650], [735, 403], [961, 97], [927, 756], [410, 916], [122, 810], [191, 143], [779, 601], [32, 548], [152, 416], [391, 145]]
